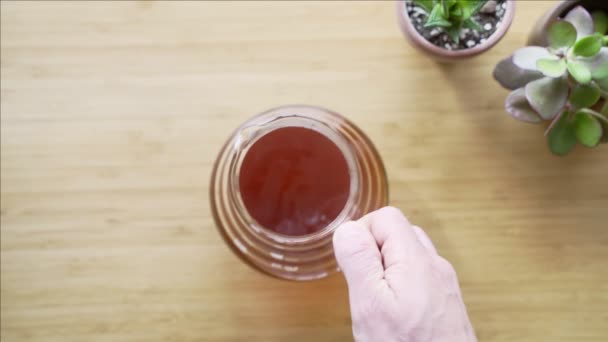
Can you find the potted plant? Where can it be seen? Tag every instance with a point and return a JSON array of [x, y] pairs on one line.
[[450, 30], [565, 83]]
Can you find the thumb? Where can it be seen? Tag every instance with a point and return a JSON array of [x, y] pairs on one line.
[[357, 254]]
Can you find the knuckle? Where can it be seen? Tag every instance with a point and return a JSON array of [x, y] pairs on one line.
[[445, 268], [347, 244], [392, 211], [345, 233]]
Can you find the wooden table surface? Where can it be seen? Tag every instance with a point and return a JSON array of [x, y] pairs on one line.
[[113, 112]]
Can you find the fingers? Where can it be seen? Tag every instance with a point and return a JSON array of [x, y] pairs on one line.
[[367, 249], [425, 240], [394, 235], [358, 255]]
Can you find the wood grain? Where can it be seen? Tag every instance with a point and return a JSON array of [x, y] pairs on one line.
[[113, 112]]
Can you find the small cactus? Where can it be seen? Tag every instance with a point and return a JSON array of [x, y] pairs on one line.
[[451, 15]]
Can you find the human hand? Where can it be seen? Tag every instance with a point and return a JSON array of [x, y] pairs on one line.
[[399, 288]]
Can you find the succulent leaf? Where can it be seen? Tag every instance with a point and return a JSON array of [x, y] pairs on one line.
[[584, 95], [598, 64], [600, 20], [454, 33], [517, 105], [526, 57], [587, 129], [471, 7], [445, 7], [579, 72], [512, 77], [561, 137], [603, 84], [435, 18], [561, 34], [547, 96], [552, 67], [456, 13], [588, 46], [582, 21], [472, 24]]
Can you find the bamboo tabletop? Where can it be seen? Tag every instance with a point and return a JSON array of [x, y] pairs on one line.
[[112, 114]]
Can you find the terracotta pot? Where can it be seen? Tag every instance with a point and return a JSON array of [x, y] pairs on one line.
[[441, 54], [538, 37]]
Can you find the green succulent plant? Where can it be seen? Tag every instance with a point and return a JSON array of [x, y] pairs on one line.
[[451, 15], [565, 83]]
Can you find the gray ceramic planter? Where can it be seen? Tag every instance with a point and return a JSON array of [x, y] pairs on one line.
[[538, 37]]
